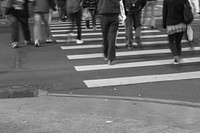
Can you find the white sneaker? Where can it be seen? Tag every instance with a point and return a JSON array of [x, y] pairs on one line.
[[37, 43], [79, 41]]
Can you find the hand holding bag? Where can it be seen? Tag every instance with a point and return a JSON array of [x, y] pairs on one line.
[[189, 33], [86, 14]]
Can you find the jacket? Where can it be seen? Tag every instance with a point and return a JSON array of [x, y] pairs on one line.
[[172, 12], [43, 6], [140, 5], [17, 8], [109, 7]]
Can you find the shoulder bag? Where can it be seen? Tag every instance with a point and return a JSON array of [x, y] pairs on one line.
[[187, 13]]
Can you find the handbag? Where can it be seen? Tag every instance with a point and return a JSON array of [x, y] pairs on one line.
[[86, 15], [189, 33], [187, 13]]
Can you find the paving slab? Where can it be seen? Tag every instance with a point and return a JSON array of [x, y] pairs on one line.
[[55, 114]]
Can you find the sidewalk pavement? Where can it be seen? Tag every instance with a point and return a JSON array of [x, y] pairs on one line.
[[54, 113]]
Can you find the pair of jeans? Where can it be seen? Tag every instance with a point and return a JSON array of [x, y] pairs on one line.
[[131, 21], [109, 24], [15, 31], [175, 43], [41, 22], [93, 14]]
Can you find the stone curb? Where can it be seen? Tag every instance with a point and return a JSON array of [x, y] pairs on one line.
[[140, 99], [21, 92]]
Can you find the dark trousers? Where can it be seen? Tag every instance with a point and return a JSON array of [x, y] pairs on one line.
[[15, 22], [93, 15], [133, 20], [109, 24], [76, 20], [175, 43]]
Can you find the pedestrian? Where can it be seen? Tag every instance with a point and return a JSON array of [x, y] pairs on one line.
[[150, 4], [86, 14], [92, 7], [189, 32], [74, 12], [173, 22], [109, 11], [41, 9], [133, 10], [62, 10], [18, 15], [4, 16]]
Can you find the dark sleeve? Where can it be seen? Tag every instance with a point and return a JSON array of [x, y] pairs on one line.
[[85, 3], [143, 3], [52, 4], [99, 6], [164, 12]]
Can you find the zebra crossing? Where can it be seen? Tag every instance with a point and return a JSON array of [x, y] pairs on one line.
[[154, 54]]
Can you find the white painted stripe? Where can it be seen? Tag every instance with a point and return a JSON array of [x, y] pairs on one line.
[[69, 22], [143, 31], [160, 6], [142, 79], [75, 27], [94, 34], [100, 45], [84, 29], [82, 25], [95, 39], [126, 53], [133, 64]]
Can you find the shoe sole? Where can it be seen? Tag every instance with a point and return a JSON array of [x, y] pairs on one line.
[[37, 45]]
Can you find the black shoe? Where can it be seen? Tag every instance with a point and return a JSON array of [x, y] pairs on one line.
[[28, 42], [110, 62], [129, 46], [63, 19], [153, 27]]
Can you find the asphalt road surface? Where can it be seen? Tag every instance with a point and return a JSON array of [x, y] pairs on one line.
[[65, 67]]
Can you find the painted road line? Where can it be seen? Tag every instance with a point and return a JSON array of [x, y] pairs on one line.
[[143, 31], [142, 79], [98, 39], [134, 64], [94, 34], [75, 27], [83, 28], [118, 44], [69, 22], [126, 53]]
